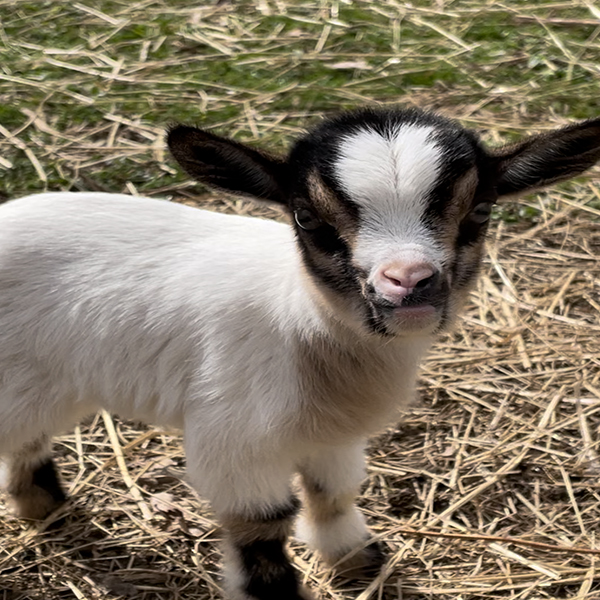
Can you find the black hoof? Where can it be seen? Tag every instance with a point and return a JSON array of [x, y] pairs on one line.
[[365, 564]]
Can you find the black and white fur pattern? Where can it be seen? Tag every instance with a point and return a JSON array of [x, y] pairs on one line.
[[276, 348]]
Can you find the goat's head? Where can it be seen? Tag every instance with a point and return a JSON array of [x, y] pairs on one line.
[[390, 207]]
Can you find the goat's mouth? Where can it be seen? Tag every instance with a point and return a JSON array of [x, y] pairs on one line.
[[420, 313], [391, 320], [414, 318]]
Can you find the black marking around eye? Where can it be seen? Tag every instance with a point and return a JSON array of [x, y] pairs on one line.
[[472, 229], [327, 258]]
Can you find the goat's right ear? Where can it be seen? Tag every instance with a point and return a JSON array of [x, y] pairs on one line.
[[545, 159], [222, 163]]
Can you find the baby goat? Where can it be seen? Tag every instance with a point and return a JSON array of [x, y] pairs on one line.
[[276, 348]]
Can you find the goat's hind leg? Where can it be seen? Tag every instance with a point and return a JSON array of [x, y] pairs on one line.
[[29, 477]]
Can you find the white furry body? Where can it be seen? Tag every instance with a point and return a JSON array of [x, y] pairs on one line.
[[276, 350], [175, 316]]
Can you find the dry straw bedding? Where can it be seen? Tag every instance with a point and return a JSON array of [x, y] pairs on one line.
[[500, 455]]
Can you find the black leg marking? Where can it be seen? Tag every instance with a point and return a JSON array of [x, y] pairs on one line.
[[45, 477], [34, 491], [258, 543], [270, 574]]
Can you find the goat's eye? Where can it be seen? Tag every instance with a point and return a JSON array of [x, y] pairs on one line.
[[481, 213], [307, 219]]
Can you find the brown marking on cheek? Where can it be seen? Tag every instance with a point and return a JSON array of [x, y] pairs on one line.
[[465, 188], [335, 283], [468, 258], [328, 253], [332, 209], [465, 278], [462, 197], [458, 208], [469, 265]]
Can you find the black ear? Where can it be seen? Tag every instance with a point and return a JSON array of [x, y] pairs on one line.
[[545, 159], [228, 165]]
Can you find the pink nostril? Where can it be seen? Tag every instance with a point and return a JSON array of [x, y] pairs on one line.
[[393, 280], [408, 277]]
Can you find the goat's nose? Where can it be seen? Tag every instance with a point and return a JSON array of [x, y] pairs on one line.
[[410, 276], [398, 280]]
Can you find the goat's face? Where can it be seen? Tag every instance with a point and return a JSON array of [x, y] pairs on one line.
[[390, 207], [390, 211]]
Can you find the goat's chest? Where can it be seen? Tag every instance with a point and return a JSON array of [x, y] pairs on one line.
[[349, 394]]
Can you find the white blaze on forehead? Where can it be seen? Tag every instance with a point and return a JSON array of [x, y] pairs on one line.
[[390, 178], [393, 171]]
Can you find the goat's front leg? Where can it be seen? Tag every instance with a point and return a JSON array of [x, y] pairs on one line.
[[331, 523], [251, 496], [29, 476], [256, 563]]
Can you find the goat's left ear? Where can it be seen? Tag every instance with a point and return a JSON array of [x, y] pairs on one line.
[[222, 163], [545, 159]]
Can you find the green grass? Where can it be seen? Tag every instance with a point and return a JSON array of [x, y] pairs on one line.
[[261, 76]]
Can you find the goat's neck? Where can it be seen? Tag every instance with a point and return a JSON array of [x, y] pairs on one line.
[[352, 382]]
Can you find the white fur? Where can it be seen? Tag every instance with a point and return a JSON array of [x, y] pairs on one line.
[[168, 314], [336, 537], [339, 471], [4, 474], [389, 177], [389, 172]]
